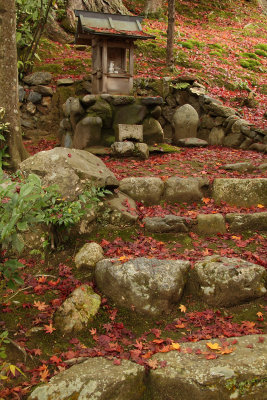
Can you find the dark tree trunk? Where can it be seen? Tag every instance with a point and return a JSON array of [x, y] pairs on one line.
[[9, 81], [170, 31]]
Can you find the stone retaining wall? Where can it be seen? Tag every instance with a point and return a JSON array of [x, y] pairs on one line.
[[90, 120]]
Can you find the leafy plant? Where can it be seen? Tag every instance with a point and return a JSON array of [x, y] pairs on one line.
[[32, 16], [4, 366]]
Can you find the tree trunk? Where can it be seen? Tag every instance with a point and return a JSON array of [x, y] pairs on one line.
[[170, 31], [106, 6], [152, 6], [9, 81]]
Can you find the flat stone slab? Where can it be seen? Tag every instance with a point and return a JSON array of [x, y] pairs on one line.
[[130, 132], [221, 281], [240, 374], [240, 192], [244, 222], [152, 101], [180, 190], [169, 223], [152, 286], [146, 189], [240, 167], [65, 82], [192, 142], [95, 379]]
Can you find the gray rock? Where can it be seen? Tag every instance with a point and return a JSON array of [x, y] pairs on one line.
[[122, 149], [190, 376], [65, 82], [141, 150], [197, 91], [87, 86], [65, 124], [123, 209], [240, 192], [103, 110], [224, 282], [207, 121], [169, 223], [152, 101], [87, 133], [192, 142], [258, 147], [219, 121], [86, 225], [130, 132], [168, 113], [211, 224], [122, 100], [152, 130], [70, 169], [30, 108], [185, 121], [38, 78], [220, 110], [246, 143], [147, 190], [239, 125], [152, 286], [156, 112], [229, 121], [170, 100], [77, 310], [72, 106], [263, 167], [247, 222], [180, 190], [66, 140], [95, 379], [34, 97], [132, 114], [216, 136], [28, 123], [203, 133], [88, 100], [89, 255], [44, 90], [22, 94], [233, 140], [240, 167]]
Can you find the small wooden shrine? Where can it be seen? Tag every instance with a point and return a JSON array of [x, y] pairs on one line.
[[112, 39]]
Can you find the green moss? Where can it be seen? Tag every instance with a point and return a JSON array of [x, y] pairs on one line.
[[261, 46], [108, 140], [216, 46], [53, 68], [165, 148], [250, 55], [191, 43], [261, 53], [151, 49], [249, 64]]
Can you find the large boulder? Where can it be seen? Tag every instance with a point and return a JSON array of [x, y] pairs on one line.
[[240, 192], [185, 121], [77, 310], [222, 281], [96, 378], [147, 190], [69, 169], [201, 374], [180, 190], [216, 136], [152, 286], [87, 133], [152, 130]]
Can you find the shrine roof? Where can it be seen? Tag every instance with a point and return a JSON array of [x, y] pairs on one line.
[[115, 25]]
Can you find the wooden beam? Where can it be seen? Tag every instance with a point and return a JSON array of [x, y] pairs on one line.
[[104, 66]]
